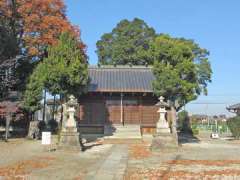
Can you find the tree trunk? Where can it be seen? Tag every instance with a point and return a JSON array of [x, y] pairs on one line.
[[54, 105], [32, 116], [61, 118], [62, 100], [44, 104], [174, 122], [8, 119]]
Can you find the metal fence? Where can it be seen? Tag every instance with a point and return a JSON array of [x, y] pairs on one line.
[[217, 127]]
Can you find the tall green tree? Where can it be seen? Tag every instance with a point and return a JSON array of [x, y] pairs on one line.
[[181, 68], [35, 87], [128, 43], [63, 72], [67, 67]]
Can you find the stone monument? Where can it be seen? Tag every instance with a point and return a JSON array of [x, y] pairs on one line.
[[69, 137], [163, 139]]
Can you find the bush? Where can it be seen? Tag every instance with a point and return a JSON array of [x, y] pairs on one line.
[[41, 125], [234, 126], [52, 126], [184, 122], [195, 131]]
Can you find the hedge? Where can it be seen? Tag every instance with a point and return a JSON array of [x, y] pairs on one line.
[[234, 126], [184, 122]]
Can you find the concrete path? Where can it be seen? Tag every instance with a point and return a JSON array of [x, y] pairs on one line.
[[114, 166]]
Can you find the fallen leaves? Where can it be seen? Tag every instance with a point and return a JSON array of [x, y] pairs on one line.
[[20, 170], [194, 174], [139, 151], [204, 162], [154, 174], [78, 178]]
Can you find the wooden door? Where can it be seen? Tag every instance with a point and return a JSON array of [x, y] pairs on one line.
[[131, 114], [149, 115], [114, 114]]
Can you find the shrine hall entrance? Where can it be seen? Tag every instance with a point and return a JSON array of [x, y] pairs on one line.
[[123, 111]]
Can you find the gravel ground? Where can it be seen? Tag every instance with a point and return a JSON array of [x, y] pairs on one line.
[[202, 159], [26, 159]]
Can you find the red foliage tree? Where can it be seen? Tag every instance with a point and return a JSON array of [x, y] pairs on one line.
[[35, 24], [38, 23]]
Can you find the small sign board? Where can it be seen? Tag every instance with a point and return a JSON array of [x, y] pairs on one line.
[[46, 138], [214, 136]]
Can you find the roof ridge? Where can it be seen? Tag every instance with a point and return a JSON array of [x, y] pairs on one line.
[[119, 67]]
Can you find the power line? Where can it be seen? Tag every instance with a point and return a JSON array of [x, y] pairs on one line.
[[210, 103], [222, 95]]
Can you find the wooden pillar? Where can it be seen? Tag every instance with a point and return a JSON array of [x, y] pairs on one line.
[[140, 110], [122, 120]]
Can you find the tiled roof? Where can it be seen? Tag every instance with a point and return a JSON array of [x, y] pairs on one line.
[[233, 107], [120, 79]]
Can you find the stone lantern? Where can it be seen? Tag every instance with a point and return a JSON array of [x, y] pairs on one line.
[[163, 139], [162, 124], [71, 109], [70, 138]]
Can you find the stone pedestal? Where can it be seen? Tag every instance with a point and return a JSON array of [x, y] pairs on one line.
[[163, 142], [70, 140], [69, 137]]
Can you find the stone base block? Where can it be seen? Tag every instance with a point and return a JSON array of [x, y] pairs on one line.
[[163, 130], [163, 142], [70, 140]]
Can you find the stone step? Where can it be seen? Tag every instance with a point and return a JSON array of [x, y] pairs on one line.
[[125, 126], [135, 133], [125, 130], [130, 130], [122, 134], [125, 134], [121, 129]]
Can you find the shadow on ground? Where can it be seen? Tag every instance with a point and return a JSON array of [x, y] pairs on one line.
[[87, 147], [89, 141], [184, 138]]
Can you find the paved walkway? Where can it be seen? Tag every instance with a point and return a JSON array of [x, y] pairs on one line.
[[113, 166]]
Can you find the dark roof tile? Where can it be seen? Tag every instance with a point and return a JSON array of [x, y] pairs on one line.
[[120, 79]]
